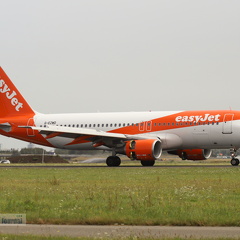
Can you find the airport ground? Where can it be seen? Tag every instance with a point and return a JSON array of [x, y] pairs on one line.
[[173, 193], [62, 232]]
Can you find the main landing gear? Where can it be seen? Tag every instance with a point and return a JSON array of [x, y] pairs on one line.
[[234, 160], [113, 161], [148, 163]]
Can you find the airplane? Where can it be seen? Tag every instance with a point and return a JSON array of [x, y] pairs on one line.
[[138, 135]]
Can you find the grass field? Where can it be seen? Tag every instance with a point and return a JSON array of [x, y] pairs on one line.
[[137, 196]]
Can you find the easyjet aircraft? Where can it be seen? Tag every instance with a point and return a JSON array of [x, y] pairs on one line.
[[139, 135]]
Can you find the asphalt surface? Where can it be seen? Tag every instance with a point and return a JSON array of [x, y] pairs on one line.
[[121, 231], [123, 166]]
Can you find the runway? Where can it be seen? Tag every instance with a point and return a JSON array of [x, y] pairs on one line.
[[121, 231], [123, 166]]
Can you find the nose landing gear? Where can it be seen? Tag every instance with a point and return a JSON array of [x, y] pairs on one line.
[[234, 160]]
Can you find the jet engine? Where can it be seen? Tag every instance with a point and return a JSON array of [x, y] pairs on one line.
[[193, 154], [146, 149]]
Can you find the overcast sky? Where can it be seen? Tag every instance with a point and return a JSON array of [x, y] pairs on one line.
[[123, 55]]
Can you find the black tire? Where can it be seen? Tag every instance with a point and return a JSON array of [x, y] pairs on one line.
[[235, 161], [113, 161], [148, 163], [184, 156]]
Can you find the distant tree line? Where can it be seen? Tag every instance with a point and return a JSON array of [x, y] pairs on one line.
[[38, 151]]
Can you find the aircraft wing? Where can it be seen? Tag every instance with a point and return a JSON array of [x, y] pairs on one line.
[[102, 138], [71, 132], [82, 135]]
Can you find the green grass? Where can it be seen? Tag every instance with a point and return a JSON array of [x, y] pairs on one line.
[[134, 196]]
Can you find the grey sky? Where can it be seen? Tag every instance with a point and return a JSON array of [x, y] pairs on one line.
[[128, 55]]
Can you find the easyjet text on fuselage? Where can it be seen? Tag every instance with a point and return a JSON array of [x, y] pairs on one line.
[[201, 118]]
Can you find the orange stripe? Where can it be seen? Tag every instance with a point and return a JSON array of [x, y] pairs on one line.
[[52, 135], [79, 140], [179, 120]]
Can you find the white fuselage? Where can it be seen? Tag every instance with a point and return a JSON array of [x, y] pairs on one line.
[[212, 134]]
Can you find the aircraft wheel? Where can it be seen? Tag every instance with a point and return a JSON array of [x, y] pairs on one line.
[[113, 161], [235, 161], [148, 163], [184, 156]]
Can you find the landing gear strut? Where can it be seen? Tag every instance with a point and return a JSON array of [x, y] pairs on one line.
[[113, 161], [234, 160]]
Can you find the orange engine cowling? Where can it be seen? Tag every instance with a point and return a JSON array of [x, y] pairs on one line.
[[194, 154], [146, 149]]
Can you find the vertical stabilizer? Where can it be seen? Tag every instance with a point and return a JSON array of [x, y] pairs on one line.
[[12, 103]]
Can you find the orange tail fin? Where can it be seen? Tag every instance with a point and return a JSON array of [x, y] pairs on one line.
[[12, 103]]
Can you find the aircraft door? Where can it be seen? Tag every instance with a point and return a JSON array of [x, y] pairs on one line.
[[30, 132], [227, 124], [149, 126], [141, 126]]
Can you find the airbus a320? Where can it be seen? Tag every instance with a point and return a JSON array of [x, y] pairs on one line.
[[138, 135]]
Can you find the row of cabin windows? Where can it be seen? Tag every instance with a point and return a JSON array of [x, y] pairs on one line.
[[137, 124], [97, 125], [185, 124]]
